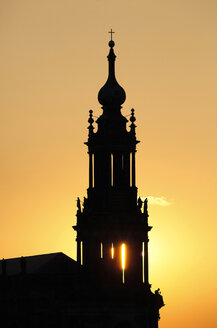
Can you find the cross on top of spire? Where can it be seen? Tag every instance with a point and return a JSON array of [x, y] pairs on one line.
[[111, 32]]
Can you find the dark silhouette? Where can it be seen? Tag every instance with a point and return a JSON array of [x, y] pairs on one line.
[[79, 205], [112, 213], [109, 285], [159, 297], [145, 208], [139, 203], [23, 265], [4, 264]]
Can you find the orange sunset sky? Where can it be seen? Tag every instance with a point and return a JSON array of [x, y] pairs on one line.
[[52, 65]]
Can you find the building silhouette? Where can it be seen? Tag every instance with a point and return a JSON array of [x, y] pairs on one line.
[[109, 285]]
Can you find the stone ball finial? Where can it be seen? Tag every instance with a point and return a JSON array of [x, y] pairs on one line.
[[111, 44], [132, 118], [90, 120]]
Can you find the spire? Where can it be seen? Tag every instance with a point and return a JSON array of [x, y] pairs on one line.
[[111, 95]]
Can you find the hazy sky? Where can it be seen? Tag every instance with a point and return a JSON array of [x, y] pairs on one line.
[[52, 65]]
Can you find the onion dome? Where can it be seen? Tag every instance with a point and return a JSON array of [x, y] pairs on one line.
[[111, 95]]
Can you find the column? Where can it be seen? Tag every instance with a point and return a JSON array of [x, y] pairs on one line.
[[146, 262], [133, 169], [90, 170], [78, 251]]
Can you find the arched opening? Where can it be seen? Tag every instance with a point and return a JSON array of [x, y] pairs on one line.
[[123, 261], [112, 251], [101, 250]]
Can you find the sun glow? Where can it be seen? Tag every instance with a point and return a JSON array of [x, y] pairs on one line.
[[112, 251], [123, 260], [123, 256]]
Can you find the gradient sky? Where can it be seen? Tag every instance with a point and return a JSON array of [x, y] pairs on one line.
[[52, 65]]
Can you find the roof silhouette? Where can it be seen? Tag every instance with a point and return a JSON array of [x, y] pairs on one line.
[[53, 263]]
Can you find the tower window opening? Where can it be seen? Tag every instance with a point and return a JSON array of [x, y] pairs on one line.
[[81, 252], [112, 251], [101, 250], [130, 168], [143, 262], [123, 261], [112, 162]]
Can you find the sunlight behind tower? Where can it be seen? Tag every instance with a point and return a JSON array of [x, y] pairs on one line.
[[112, 251], [123, 261], [101, 250]]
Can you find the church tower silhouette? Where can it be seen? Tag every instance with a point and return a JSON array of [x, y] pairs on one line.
[[112, 226]]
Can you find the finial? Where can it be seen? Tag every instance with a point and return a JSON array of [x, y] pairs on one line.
[[111, 95], [132, 120], [140, 203], [78, 205], [111, 42], [91, 121], [145, 208]]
